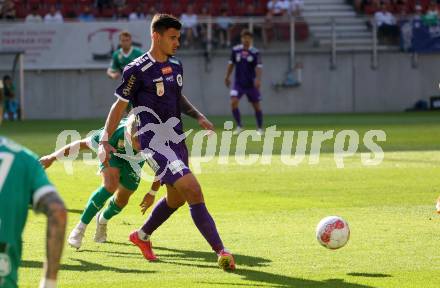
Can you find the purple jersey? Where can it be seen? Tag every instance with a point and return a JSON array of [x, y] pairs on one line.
[[245, 62], [155, 85], [158, 86]]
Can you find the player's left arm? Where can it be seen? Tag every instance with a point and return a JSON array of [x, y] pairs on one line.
[[258, 72], [189, 109]]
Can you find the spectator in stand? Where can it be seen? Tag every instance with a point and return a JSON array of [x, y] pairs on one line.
[[137, 14], [202, 28], [8, 10], [10, 100], [189, 26], [296, 7], [431, 16], [419, 13], [151, 12], [33, 16], [402, 7], [101, 4], [278, 9], [120, 14], [86, 15], [387, 28], [54, 16], [224, 27], [119, 3]]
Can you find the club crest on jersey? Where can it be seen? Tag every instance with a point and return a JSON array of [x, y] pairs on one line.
[[160, 89], [237, 57], [179, 80], [167, 70], [250, 58], [121, 144]]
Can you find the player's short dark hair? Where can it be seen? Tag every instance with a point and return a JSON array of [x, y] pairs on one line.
[[124, 33], [246, 32], [163, 22], [6, 77]]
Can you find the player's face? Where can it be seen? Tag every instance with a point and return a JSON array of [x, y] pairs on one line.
[[125, 42], [246, 41], [169, 41]]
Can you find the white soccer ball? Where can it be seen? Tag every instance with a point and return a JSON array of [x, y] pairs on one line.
[[332, 232]]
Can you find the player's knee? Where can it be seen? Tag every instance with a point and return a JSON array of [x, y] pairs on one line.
[[111, 185], [175, 203]]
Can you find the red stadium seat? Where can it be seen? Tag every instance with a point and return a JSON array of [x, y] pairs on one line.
[[33, 2], [133, 3], [21, 11], [86, 2], [50, 2], [68, 2]]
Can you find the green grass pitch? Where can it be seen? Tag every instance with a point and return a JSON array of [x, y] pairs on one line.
[[266, 215]]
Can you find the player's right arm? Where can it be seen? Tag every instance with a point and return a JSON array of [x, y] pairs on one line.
[[53, 207], [148, 199], [113, 70], [125, 92], [79, 145], [45, 199], [229, 70]]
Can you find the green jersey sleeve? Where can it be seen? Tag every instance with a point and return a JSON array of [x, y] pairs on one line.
[[39, 183]]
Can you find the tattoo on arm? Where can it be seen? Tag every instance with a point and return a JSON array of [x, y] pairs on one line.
[[188, 108], [53, 207]]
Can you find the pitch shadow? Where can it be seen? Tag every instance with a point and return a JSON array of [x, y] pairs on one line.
[[371, 275], [84, 266]]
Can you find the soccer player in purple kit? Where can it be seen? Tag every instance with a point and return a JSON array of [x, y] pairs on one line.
[[248, 70], [154, 82]]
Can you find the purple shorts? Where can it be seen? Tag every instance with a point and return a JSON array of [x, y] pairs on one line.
[[252, 93], [171, 166]]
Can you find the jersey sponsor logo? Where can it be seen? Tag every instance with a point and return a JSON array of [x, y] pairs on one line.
[[167, 70], [176, 166], [160, 89], [244, 53], [143, 69], [179, 79], [250, 58], [160, 79], [5, 265], [170, 78], [129, 86]]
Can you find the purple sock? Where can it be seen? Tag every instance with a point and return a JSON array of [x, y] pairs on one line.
[[160, 214], [206, 226], [259, 116], [236, 114]]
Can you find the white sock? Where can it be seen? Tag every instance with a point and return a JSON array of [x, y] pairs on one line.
[[143, 236], [81, 226], [102, 219]]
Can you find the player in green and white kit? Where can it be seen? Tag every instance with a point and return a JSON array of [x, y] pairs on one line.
[[24, 182], [118, 179], [123, 56]]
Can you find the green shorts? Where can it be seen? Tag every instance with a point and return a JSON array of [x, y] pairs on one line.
[[127, 176]]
